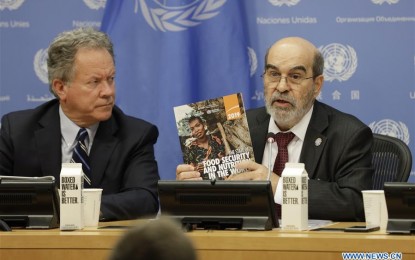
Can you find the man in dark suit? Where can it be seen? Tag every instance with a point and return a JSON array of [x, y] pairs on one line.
[[334, 146], [36, 142]]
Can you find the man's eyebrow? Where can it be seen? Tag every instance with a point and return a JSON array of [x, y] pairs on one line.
[[300, 67], [270, 66]]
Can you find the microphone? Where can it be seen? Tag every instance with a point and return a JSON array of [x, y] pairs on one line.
[[270, 140]]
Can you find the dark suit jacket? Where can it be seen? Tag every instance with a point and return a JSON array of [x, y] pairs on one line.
[[339, 168], [122, 157]]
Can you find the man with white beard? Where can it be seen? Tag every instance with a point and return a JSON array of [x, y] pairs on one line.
[[334, 146]]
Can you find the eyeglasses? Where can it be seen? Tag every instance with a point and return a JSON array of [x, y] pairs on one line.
[[274, 77]]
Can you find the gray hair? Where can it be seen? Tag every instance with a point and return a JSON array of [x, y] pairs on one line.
[[318, 64], [62, 51]]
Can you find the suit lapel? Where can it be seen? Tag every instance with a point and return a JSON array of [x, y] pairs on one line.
[[48, 141], [258, 128], [102, 148], [314, 141]]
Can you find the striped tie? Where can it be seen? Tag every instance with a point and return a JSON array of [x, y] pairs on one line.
[[80, 155]]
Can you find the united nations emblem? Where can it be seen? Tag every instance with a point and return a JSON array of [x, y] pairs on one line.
[[340, 62], [379, 2], [95, 4], [391, 128], [40, 65], [10, 4], [284, 2], [177, 15], [318, 141], [253, 61]]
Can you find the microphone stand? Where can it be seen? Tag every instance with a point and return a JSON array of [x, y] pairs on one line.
[[270, 141]]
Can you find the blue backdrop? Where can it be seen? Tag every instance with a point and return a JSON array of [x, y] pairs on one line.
[[172, 52]]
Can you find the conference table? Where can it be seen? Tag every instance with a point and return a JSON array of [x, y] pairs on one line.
[[96, 243]]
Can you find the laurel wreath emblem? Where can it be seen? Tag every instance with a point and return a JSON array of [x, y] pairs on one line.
[[40, 65], [284, 2], [10, 4], [253, 61], [95, 4], [178, 19], [391, 128], [379, 2], [336, 66]]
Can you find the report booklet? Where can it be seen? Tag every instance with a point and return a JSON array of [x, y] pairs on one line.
[[214, 135]]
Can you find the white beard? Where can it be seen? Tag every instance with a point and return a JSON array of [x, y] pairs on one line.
[[286, 118]]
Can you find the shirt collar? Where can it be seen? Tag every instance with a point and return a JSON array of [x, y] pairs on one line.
[[69, 129], [299, 129]]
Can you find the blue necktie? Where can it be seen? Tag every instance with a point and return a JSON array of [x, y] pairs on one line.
[[80, 155]]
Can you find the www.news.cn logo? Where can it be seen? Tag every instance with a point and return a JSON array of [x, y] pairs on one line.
[[378, 255]]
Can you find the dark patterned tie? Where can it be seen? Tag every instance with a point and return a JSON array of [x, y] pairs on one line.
[[80, 155], [282, 139]]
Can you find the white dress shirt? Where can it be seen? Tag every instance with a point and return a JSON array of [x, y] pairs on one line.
[[294, 147], [69, 131]]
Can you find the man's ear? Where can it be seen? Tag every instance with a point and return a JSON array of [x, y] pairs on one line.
[[318, 84], [58, 87]]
